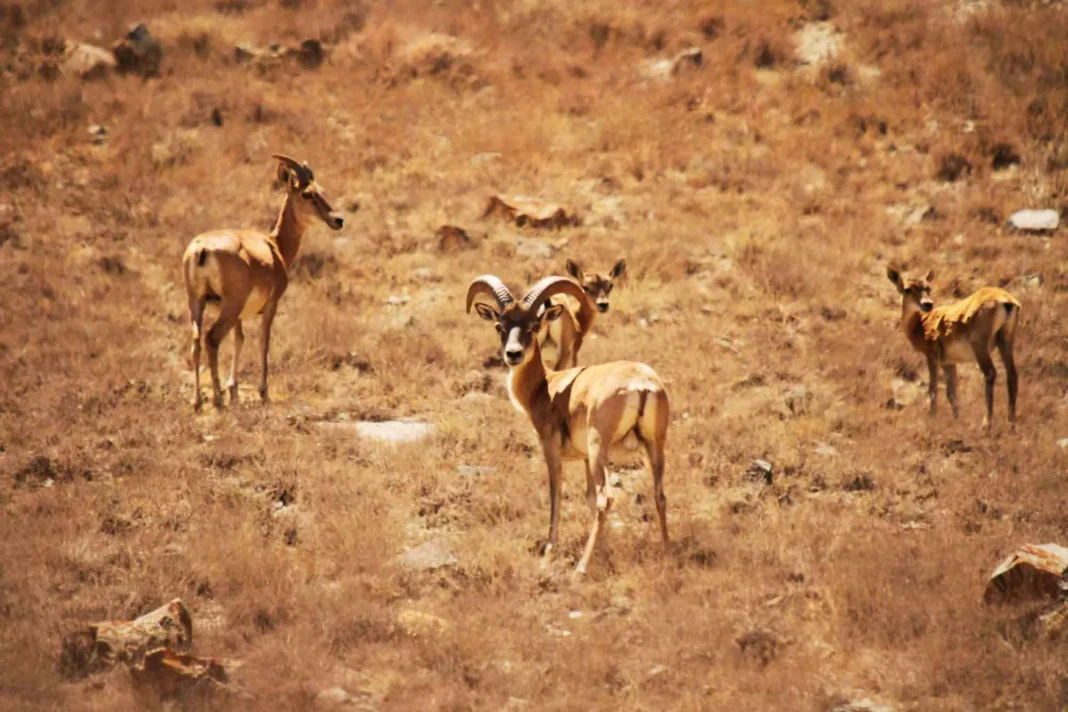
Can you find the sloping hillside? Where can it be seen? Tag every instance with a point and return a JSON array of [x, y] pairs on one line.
[[757, 190]]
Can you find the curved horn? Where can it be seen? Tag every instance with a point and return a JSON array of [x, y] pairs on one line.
[[491, 285], [302, 172], [550, 286]]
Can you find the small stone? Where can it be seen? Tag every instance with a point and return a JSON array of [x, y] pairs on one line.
[[474, 470], [656, 670], [1034, 220], [403, 321], [910, 214], [395, 300], [1063, 444], [419, 624], [395, 431], [332, 698], [481, 159], [535, 249], [817, 43], [428, 556], [826, 450], [573, 615], [99, 134], [760, 470], [862, 705], [88, 62]]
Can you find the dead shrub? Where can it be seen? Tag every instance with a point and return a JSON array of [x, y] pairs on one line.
[[952, 166]]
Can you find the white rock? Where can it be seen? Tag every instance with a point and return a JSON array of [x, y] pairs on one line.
[[332, 698], [1063, 444], [428, 556], [480, 159], [863, 705], [474, 470], [525, 247], [395, 431], [826, 450], [87, 61], [817, 43], [1034, 220]]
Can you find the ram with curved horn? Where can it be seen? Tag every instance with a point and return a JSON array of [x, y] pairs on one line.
[[581, 413], [246, 272]]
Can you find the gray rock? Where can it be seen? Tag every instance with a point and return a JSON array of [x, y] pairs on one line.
[[395, 431], [910, 214], [333, 698], [862, 705], [474, 470], [98, 133], [481, 159], [760, 471], [428, 556], [826, 450], [1034, 220], [537, 249], [817, 43], [88, 62]]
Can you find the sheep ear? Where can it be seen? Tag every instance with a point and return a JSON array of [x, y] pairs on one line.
[[486, 312], [552, 313]]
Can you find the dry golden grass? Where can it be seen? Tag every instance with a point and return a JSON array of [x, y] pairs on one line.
[[749, 197]]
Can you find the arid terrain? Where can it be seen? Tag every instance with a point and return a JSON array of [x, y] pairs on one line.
[[757, 190]]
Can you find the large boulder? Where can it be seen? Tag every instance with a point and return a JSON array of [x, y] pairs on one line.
[[1034, 572], [87, 61]]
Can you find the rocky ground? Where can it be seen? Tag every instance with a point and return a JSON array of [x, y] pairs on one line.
[[369, 539]]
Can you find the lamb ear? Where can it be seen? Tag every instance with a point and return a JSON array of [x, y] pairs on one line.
[[894, 276], [574, 270], [284, 174]]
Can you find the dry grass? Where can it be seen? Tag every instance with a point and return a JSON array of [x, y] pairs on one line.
[[749, 198]]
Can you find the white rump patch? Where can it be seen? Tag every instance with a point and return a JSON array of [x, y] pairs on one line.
[[648, 382]]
